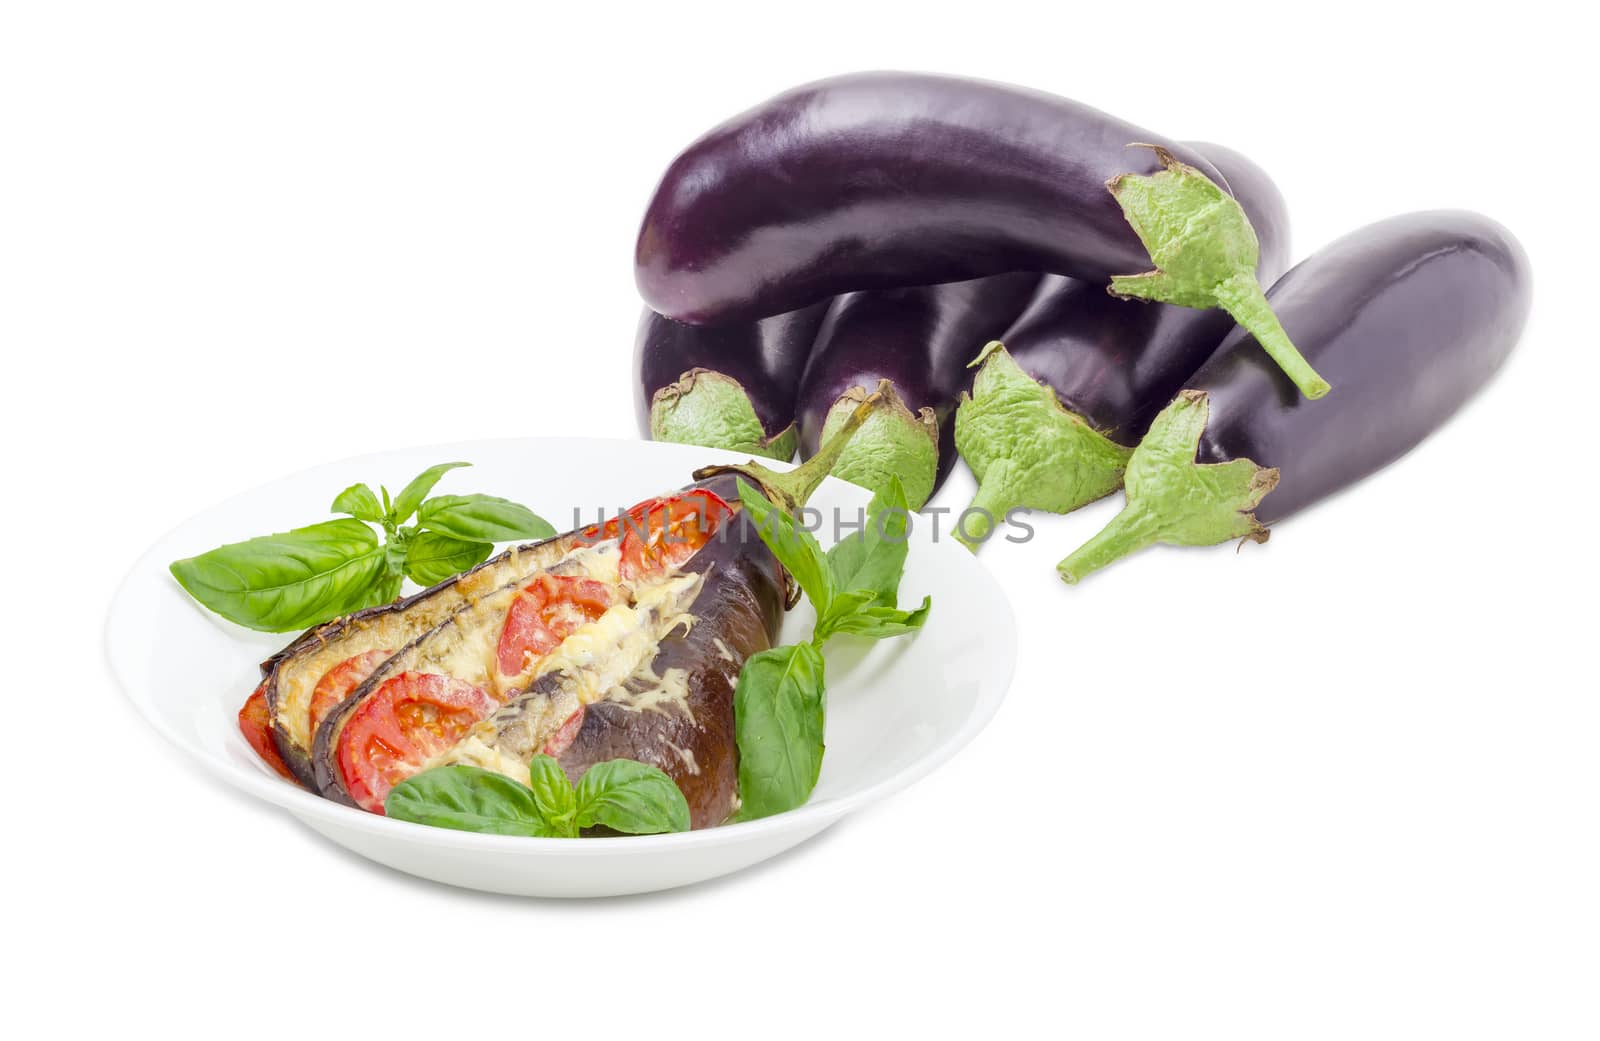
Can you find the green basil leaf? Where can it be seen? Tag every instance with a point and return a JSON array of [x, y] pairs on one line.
[[553, 794], [844, 606], [467, 799], [360, 502], [389, 588], [875, 557], [877, 621], [482, 518], [411, 496], [778, 714], [432, 558], [794, 547], [633, 797], [293, 580]]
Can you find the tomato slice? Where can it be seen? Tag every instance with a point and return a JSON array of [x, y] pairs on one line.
[[255, 723], [562, 739], [337, 683], [544, 614], [673, 530], [401, 725]]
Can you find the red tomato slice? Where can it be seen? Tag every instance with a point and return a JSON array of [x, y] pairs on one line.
[[337, 683], [674, 530], [544, 614], [612, 528], [255, 723], [562, 739], [401, 725]]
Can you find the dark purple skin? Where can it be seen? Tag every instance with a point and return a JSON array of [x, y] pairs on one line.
[[890, 179], [765, 357], [1407, 318], [920, 339], [1117, 362]]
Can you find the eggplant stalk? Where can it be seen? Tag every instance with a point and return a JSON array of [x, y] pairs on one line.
[[789, 490], [1175, 499], [1013, 428], [709, 408], [1205, 254]]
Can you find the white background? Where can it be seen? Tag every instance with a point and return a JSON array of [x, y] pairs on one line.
[[1341, 785]]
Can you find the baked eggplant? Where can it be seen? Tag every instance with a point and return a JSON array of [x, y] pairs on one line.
[[335, 655]]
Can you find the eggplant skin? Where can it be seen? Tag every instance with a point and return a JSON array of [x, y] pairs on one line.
[[289, 675], [889, 179], [1116, 363], [766, 358], [736, 614], [919, 338], [1407, 318]]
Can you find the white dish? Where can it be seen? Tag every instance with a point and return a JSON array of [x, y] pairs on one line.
[[896, 709]]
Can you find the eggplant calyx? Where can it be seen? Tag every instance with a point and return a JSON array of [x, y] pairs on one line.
[[1174, 499], [713, 410], [789, 490], [1026, 449], [1205, 252], [892, 441]]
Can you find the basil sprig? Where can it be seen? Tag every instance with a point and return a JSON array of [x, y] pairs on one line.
[[780, 702], [303, 577], [620, 794]]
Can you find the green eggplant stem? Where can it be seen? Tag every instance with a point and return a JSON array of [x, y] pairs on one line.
[[1129, 531], [713, 410], [791, 489], [1205, 252], [1174, 498], [1026, 449]]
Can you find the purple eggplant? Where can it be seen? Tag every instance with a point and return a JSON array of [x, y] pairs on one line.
[[887, 180], [1409, 317], [724, 386], [919, 339], [1056, 411]]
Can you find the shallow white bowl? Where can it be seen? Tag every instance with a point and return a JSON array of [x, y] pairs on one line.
[[896, 709]]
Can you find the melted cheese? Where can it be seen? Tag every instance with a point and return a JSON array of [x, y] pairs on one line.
[[647, 692]]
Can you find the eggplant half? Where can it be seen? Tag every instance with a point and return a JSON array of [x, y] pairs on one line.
[[293, 676], [644, 666]]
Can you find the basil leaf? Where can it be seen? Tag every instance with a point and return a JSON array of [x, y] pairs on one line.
[[625, 795], [360, 502], [875, 557], [878, 621], [843, 606], [553, 794], [293, 580], [778, 716], [411, 496], [482, 518], [432, 558], [467, 799], [794, 547]]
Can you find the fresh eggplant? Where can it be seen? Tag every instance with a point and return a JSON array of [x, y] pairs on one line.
[[1056, 411], [887, 180], [291, 677], [1409, 317], [919, 339], [724, 386]]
